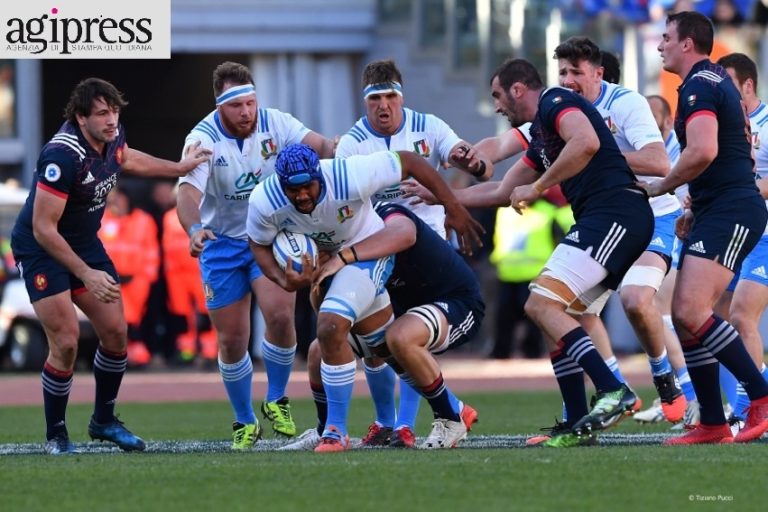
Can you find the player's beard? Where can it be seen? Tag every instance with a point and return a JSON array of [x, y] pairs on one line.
[[238, 130]]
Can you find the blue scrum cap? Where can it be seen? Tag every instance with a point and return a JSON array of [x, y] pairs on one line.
[[297, 164]]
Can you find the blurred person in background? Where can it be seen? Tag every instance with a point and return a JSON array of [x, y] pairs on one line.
[[129, 235], [185, 294], [522, 245]]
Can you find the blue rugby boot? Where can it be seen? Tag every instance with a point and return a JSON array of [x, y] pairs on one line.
[[115, 432]]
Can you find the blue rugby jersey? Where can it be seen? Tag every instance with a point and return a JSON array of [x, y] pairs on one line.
[[70, 168], [607, 170]]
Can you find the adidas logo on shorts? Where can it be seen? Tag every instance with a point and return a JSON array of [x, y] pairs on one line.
[[760, 272], [573, 237], [698, 247], [658, 242]]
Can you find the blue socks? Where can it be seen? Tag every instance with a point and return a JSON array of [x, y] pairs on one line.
[[278, 362], [381, 383], [338, 381], [238, 379]]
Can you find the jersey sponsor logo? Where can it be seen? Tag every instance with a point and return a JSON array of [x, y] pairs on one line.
[[221, 162], [52, 172], [88, 179], [344, 213], [760, 272], [244, 184], [268, 149], [573, 237], [422, 148], [691, 100], [41, 282], [325, 238], [697, 247]]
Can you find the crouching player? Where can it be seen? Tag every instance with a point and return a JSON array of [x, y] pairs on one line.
[[329, 200], [437, 302]]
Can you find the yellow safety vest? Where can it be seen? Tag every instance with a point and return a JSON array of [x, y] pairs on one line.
[[523, 243]]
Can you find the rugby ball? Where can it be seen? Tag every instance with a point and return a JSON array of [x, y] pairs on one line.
[[288, 245]]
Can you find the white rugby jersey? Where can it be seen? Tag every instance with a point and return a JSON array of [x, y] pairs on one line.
[[632, 124], [672, 147], [758, 122], [344, 214], [425, 134], [237, 166]]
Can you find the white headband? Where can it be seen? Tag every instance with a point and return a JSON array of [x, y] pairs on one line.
[[382, 88], [235, 92]]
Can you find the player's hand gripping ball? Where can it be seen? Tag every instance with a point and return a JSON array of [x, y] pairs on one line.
[[290, 246]]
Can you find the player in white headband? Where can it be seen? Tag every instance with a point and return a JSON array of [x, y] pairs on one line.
[[213, 207], [389, 125]]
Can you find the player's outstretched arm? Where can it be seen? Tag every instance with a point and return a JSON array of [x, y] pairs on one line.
[[502, 146], [325, 148], [700, 151], [491, 194], [457, 217], [650, 160], [471, 161], [143, 164], [398, 234]]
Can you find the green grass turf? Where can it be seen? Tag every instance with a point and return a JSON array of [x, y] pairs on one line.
[[598, 478]]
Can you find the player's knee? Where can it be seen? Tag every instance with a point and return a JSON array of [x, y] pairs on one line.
[[330, 330], [64, 346], [397, 337], [635, 305], [741, 322], [281, 323]]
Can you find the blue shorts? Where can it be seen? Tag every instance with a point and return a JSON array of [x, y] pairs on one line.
[[44, 276], [663, 241], [725, 233], [677, 247], [755, 265], [614, 229], [464, 315], [228, 269]]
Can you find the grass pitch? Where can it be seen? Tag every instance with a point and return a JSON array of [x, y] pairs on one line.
[[188, 466]]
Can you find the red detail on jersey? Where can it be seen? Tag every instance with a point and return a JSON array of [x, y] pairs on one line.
[[520, 137], [41, 282], [52, 190], [700, 113], [560, 116], [530, 163], [119, 155]]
